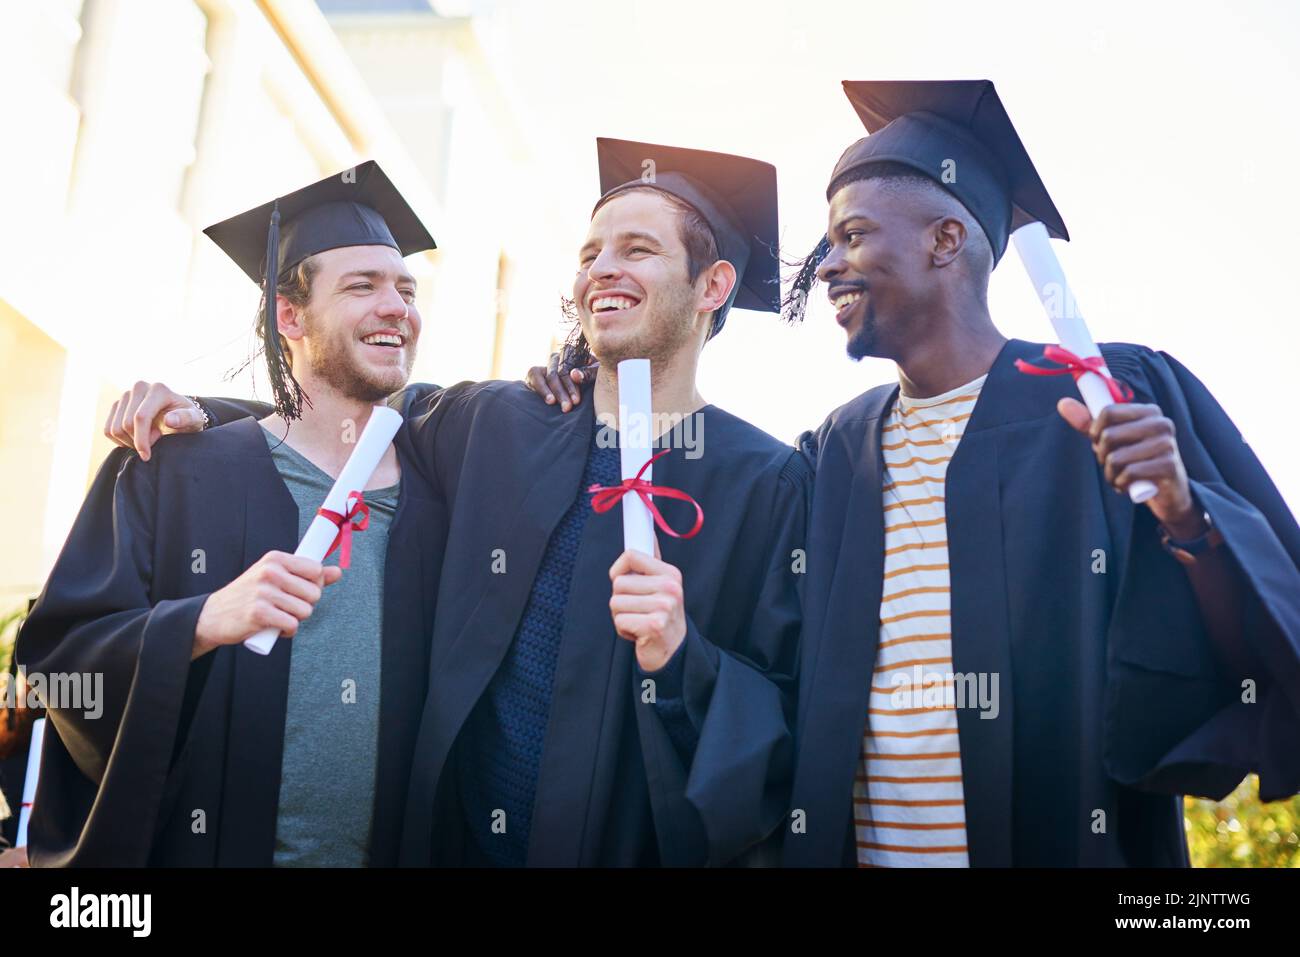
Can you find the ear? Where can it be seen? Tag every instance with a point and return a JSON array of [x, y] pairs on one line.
[[289, 319], [718, 282], [949, 239]]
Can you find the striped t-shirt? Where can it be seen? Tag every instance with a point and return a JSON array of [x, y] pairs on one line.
[[908, 803]]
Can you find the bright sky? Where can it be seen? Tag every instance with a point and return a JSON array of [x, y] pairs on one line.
[[1167, 134]]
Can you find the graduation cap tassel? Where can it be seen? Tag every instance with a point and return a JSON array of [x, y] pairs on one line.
[[796, 301], [576, 351], [284, 387]]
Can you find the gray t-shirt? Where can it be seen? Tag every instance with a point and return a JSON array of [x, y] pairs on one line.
[[331, 728]]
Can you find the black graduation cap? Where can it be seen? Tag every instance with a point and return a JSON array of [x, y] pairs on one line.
[[357, 207], [958, 128], [735, 195]]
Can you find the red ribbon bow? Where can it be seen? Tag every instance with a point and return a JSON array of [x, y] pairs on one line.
[[605, 497], [1076, 367], [356, 505]]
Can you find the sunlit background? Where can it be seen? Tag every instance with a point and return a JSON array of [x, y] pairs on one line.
[[1167, 134]]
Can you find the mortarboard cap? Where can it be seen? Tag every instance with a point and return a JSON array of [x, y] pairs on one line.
[[357, 207], [735, 195], [957, 133]]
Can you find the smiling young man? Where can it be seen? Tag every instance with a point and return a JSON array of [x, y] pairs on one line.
[[1004, 661], [587, 705], [208, 754]]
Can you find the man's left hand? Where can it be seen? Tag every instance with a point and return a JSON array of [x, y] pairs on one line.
[[648, 607], [14, 857], [1135, 441]]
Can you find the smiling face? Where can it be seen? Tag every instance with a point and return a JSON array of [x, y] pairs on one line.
[[633, 290], [876, 271], [902, 252], [357, 332]]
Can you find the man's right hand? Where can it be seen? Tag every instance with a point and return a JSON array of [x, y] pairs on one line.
[[147, 412], [279, 591], [558, 383]]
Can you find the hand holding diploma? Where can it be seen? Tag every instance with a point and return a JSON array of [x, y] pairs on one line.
[[280, 590], [647, 601], [648, 606], [275, 595], [1135, 443], [1092, 376], [333, 522]]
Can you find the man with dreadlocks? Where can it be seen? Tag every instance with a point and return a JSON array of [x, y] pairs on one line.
[[206, 754], [1004, 662]]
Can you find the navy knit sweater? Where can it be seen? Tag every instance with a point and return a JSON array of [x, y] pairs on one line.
[[502, 745]]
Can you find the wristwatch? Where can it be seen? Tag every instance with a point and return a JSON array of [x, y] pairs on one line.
[[1188, 551]]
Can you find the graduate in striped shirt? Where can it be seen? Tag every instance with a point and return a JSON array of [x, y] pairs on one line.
[[1004, 662]]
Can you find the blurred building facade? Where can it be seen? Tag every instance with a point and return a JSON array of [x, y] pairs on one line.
[[129, 125]]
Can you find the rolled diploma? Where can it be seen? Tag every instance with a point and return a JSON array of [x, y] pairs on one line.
[[1035, 249], [29, 782], [634, 438], [375, 439]]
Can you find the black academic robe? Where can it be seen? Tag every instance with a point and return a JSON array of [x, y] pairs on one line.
[[1112, 699], [612, 789], [178, 737]]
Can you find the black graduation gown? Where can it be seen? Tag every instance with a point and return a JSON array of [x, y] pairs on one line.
[[612, 790], [1111, 697], [177, 736]]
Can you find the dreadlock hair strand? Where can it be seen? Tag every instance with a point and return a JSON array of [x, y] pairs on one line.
[[795, 303], [294, 284]]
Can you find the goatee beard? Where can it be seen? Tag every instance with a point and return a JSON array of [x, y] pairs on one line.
[[863, 342]]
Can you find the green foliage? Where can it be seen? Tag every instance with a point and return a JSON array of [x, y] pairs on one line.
[[1241, 831]]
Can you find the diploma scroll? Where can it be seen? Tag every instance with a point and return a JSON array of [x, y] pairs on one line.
[[1035, 249], [635, 437], [29, 782], [375, 439]]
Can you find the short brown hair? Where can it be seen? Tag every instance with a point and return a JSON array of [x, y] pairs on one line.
[[701, 252]]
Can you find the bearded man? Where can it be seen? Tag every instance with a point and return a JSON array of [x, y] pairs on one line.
[[206, 754], [1005, 661]]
